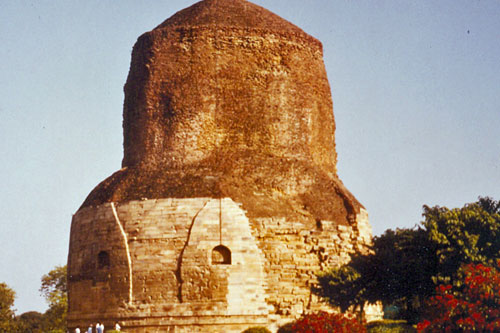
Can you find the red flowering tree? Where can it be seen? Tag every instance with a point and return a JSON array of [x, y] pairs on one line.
[[475, 308], [324, 322]]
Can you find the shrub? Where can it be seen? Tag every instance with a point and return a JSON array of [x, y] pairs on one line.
[[474, 308], [257, 329], [324, 322]]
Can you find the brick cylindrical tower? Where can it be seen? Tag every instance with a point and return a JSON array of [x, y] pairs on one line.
[[228, 200]]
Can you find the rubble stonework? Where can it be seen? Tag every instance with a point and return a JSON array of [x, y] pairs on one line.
[[228, 201]]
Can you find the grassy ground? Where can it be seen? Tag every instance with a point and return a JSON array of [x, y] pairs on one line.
[[390, 326]]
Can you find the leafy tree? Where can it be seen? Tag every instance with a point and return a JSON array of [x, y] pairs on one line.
[[398, 270], [54, 289], [7, 296], [470, 234], [345, 286], [30, 322], [402, 267], [404, 262], [405, 265]]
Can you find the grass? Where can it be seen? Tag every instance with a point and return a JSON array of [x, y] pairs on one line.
[[389, 326]]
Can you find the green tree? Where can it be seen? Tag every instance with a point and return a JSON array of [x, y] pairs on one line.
[[345, 286], [470, 234], [54, 289], [398, 270], [405, 265], [7, 320], [30, 322], [402, 267]]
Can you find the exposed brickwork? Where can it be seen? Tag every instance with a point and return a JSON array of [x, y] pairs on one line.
[[238, 111], [228, 201]]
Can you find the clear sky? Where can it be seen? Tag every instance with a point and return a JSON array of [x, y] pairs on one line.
[[415, 84]]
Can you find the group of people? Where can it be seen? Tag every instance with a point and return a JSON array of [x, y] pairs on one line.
[[99, 328]]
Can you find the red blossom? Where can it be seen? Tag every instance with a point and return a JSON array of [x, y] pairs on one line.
[[475, 308], [324, 322]]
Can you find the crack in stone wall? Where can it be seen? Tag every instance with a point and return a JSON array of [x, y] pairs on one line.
[[129, 260], [178, 274]]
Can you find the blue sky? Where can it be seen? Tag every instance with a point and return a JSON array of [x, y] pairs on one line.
[[415, 84]]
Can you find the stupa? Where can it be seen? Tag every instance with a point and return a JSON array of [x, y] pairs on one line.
[[228, 200]]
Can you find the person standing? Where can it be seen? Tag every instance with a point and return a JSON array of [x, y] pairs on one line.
[[117, 327], [99, 328], [89, 330], [77, 330]]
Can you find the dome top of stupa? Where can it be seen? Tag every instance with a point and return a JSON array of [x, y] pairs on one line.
[[230, 13]]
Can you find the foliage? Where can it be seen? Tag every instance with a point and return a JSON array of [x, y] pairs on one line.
[[401, 268], [470, 234], [398, 270], [403, 263], [54, 289], [324, 322], [30, 322], [7, 296], [54, 285], [257, 329], [404, 266], [343, 287], [476, 308]]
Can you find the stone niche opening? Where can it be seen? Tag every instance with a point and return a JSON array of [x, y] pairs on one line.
[[103, 260], [221, 255]]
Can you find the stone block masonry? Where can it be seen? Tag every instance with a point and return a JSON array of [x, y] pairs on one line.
[[180, 279]]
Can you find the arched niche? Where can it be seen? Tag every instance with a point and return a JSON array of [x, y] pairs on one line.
[[221, 255], [103, 260]]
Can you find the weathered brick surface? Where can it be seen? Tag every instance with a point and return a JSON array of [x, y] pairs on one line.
[[215, 108], [228, 201]]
